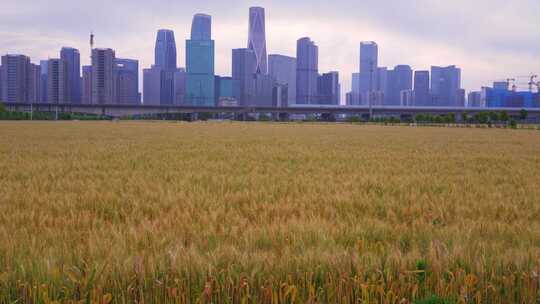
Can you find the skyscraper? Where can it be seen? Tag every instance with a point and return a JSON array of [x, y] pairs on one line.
[[44, 69], [283, 69], [200, 81], [16, 73], [201, 27], [103, 62], [421, 89], [180, 86], [243, 67], [152, 86], [57, 81], [126, 78], [158, 81], [329, 88], [307, 71], [34, 83], [399, 79], [369, 60], [87, 84], [257, 38], [445, 85], [165, 50], [72, 60]]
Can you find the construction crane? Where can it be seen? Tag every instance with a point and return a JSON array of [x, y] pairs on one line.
[[531, 82], [513, 80]]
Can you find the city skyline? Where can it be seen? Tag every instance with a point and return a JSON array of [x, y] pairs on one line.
[[407, 42]]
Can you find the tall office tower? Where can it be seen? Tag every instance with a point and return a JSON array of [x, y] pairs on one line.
[[180, 86], [422, 97], [34, 84], [381, 86], [200, 82], [264, 86], [44, 69], [445, 83], [152, 86], [307, 71], [87, 84], [201, 27], [283, 69], [329, 88], [72, 60], [126, 78], [257, 38], [57, 83], [16, 78], [243, 67], [399, 79], [369, 60], [158, 81], [103, 61], [165, 50]]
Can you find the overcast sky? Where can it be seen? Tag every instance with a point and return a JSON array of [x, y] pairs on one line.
[[489, 39]]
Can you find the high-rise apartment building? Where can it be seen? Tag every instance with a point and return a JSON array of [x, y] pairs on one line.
[[87, 84], [422, 96], [72, 60], [126, 80], [307, 71], [200, 52], [44, 70], [257, 38], [329, 88], [57, 81], [16, 79], [445, 85], [283, 70], [103, 64]]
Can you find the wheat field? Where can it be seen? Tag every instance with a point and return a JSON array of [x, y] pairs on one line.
[[165, 212]]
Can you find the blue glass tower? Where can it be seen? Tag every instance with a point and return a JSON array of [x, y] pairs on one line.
[[200, 49]]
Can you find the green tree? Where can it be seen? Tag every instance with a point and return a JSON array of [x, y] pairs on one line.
[[2, 107], [465, 116], [503, 116], [523, 114]]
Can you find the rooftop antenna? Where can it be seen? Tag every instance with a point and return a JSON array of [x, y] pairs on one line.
[[91, 40]]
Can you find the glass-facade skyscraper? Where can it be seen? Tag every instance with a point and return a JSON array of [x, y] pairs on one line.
[[421, 88], [165, 50], [445, 85], [283, 69], [399, 79], [243, 66], [200, 50], [257, 38], [72, 60], [307, 71], [201, 27], [369, 60]]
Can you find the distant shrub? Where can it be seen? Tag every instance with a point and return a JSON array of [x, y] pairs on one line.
[[435, 300], [2, 107], [513, 124]]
